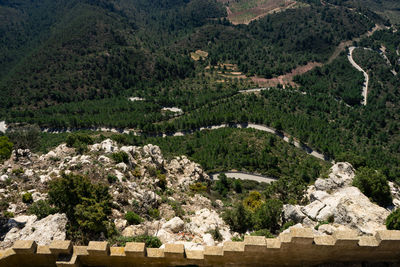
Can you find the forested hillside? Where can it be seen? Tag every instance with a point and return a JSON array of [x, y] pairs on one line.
[[75, 64]]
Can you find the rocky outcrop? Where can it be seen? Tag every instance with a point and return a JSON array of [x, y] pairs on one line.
[[134, 184], [43, 231], [334, 200], [204, 221]]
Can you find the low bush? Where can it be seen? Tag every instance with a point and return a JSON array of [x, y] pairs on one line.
[[262, 232], [79, 141], [150, 241], [374, 185], [198, 187], [8, 215], [119, 157], [41, 209], [133, 218], [393, 220], [216, 234], [111, 178], [5, 148], [27, 198], [154, 213]]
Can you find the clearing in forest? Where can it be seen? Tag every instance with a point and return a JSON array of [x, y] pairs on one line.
[[199, 54], [245, 11], [285, 79]]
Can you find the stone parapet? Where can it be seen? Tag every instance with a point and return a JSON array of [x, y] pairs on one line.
[[298, 247]]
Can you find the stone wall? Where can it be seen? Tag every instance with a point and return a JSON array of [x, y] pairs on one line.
[[298, 247]]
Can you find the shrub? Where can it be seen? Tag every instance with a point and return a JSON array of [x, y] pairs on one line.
[[216, 234], [287, 225], [162, 180], [374, 185], [154, 213], [253, 201], [393, 220], [237, 186], [5, 148], [222, 185], [177, 207], [8, 215], [25, 136], [27, 198], [87, 206], [119, 157], [133, 218], [17, 171], [41, 209], [269, 215], [237, 239], [150, 241], [111, 178], [79, 141], [239, 219], [198, 187], [262, 232]]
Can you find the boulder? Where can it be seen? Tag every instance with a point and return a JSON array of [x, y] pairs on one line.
[[208, 240], [342, 175], [293, 213], [312, 210], [44, 231], [174, 225], [356, 211], [205, 220], [3, 178]]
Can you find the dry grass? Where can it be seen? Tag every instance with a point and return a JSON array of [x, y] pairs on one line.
[[245, 11]]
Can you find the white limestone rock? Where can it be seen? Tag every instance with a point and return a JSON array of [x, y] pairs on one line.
[[205, 220], [174, 225], [293, 213], [43, 231], [342, 175]]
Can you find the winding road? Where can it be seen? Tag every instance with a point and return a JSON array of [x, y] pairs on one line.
[[285, 137], [355, 65], [245, 176]]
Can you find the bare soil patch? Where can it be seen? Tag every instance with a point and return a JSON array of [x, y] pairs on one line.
[[243, 12], [286, 79]]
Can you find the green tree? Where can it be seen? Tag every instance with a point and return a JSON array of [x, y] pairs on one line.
[[239, 219], [5, 148], [87, 205], [269, 214], [25, 136], [374, 185], [393, 220]]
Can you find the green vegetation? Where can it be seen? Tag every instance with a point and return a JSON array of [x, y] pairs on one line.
[[393, 220], [150, 241], [119, 157], [342, 79], [133, 218], [87, 205], [242, 149], [41, 209], [374, 185], [24, 136], [5, 148], [79, 141], [27, 198], [255, 214]]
